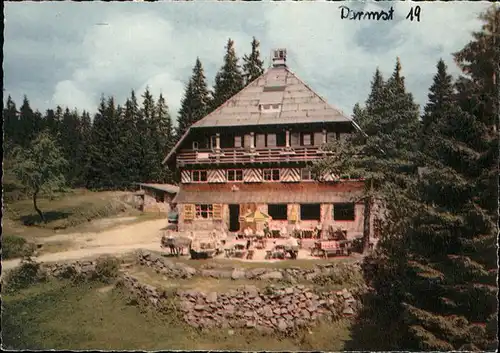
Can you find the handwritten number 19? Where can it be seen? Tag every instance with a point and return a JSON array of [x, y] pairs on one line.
[[414, 14]]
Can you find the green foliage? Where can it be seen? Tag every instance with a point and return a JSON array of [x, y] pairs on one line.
[[195, 102], [40, 167], [23, 276], [435, 269], [14, 246], [107, 269], [252, 64], [229, 79]]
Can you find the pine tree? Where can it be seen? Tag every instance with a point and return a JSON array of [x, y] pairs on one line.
[[253, 65], [440, 91], [229, 79], [196, 100], [146, 129], [83, 148], [131, 139], [438, 245], [69, 140], [11, 124], [29, 123], [162, 141], [105, 163]]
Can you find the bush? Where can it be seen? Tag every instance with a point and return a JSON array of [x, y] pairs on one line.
[[107, 269], [14, 246], [26, 274]]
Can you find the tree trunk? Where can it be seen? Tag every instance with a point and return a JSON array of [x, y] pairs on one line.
[[367, 224], [37, 209]]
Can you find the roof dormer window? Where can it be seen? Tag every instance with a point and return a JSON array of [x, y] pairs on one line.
[[270, 108]]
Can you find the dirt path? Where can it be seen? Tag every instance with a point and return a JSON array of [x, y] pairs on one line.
[[119, 240]]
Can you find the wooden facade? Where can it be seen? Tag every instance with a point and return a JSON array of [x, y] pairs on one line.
[[253, 152]]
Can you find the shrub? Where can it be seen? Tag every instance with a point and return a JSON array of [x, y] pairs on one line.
[[26, 274], [107, 269], [14, 246]]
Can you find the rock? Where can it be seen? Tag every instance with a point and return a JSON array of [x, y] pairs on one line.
[[250, 324], [272, 275], [211, 297], [267, 312], [237, 274], [251, 291], [199, 307], [249, 314], [282, 326], [289, 290], [348, 311]]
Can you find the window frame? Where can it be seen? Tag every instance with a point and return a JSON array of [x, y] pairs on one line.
[[305, 170], [207, 209], [302, 218], [273, 172], [278, 205], [234, 172], [303, 139], [200, 173], [344, 203], [240, 139]]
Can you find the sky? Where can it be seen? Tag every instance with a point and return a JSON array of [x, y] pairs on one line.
[[70, 53]]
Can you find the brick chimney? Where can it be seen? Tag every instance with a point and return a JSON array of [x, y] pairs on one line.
[[279, 57]]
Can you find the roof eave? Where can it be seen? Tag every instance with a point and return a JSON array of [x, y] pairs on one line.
[[174, 149]]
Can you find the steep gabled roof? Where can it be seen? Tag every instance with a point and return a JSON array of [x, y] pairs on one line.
[[278, 85]]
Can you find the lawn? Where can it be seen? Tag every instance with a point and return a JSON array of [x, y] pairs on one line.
[[59, 315]]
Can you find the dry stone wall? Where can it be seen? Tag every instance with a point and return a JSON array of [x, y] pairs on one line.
[[84, 268], [171, 269], [267, 310]]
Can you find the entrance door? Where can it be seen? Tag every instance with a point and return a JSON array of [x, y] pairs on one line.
[[234, 218]]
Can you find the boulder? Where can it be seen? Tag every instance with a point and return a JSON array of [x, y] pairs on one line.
[[211, 297], [277, 275], [237, 274]]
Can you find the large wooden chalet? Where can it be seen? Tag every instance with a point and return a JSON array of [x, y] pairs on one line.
[[252, 153]]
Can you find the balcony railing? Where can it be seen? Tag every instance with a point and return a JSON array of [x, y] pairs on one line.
[[247, 155]]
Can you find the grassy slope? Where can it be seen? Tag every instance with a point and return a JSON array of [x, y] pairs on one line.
[[56, 315], [69, 212]]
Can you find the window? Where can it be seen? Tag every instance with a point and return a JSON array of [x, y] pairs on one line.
[[195, 145], [159, 196], [307, 139], [199, 175], [306, 174], [343, 212], [204, 212], [270, 108], [213, 141], [330, 137], [271, 140], [238, 142], [281, 139], [271, 174], [235, 175], [277, 211], [310, 212]]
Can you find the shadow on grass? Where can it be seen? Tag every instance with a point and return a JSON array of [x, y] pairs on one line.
[[50, 216]]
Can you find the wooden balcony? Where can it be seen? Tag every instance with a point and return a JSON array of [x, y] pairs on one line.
[[247, 155]]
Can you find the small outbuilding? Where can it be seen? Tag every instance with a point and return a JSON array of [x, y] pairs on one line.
[[157, 197]]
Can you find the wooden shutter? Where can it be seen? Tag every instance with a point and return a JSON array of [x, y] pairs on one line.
[[217, 209], [189, 211], [295, 139]]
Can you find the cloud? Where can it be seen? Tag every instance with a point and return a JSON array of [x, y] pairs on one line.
[[70, 53]]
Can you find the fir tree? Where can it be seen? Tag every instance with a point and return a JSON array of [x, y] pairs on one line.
[[195, 102], [131, 139], [147, 130], [253, 65], [69, 140], [229, 79], [29, 123], [162, 140], [441, 91], [11, 124]]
